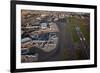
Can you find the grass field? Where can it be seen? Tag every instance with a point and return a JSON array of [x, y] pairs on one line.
[[83, 28]]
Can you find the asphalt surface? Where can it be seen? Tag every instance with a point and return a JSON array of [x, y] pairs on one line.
[[65, 43], [50, 56], [54, 55], [65, 46], [67, 40]]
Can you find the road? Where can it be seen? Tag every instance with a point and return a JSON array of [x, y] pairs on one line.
[[65, 43], [65, 48], [54, 55]]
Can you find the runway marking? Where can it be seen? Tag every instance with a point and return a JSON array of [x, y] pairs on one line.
[[81, 39]]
